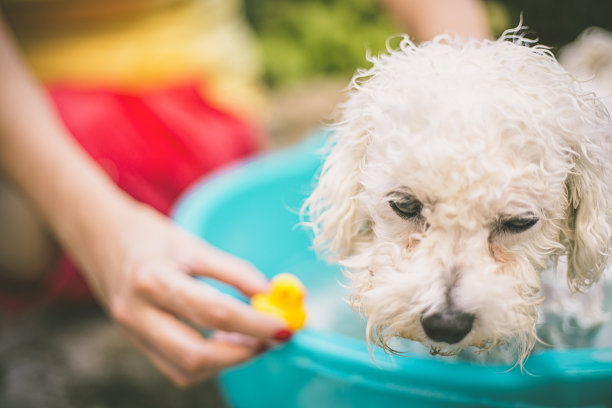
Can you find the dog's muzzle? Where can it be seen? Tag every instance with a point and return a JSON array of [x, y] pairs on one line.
[[448, 326]]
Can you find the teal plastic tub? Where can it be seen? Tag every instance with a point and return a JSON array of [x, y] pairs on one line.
[[251, 210]]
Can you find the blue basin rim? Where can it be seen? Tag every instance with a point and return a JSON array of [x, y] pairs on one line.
[[339, 355]]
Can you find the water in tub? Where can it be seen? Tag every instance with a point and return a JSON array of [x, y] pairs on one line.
[[567, 320]]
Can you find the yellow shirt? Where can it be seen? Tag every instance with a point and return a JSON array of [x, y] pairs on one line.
[[138, 44]]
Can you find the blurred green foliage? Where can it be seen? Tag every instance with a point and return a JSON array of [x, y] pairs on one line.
[[307, 38]]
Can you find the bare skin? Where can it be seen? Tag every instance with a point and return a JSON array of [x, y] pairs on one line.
[[27, 249], [425, 19], [137, 262]]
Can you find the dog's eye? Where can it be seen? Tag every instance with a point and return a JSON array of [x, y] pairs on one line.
[[518, 224], [407, 208]]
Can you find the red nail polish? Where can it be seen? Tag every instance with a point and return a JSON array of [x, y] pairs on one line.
[[283, 335]]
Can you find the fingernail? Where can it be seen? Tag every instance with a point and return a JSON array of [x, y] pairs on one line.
[[283, 335]]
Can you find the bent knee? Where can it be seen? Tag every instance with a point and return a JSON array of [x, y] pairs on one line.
[[27, 250]]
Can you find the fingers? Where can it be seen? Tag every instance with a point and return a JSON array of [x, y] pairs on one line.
[[209, 261], [180, 352], [205, 306], [165, 366]]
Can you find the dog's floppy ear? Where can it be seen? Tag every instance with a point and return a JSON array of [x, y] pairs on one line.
[[589, 188], [333, 209]]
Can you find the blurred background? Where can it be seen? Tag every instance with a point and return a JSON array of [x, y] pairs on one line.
[[62, 357], [310, 48], [302, 39]]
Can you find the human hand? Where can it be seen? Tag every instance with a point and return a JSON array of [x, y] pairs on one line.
[[139, 264], [141, 267]]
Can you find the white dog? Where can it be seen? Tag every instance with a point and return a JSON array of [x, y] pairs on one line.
[[459, 169]]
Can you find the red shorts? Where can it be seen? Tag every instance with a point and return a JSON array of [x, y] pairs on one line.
[[153, 145]]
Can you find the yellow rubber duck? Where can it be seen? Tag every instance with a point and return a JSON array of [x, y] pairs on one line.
[[285, 300]]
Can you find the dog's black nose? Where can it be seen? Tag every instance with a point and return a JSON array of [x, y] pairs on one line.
[[449, 326]]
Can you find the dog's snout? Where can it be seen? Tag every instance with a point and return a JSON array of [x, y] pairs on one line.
[[449, 326]]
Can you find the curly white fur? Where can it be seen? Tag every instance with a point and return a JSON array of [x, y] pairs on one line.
[[477, 132], [589, 59]]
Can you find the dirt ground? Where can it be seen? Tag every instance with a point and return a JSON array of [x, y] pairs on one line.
[[66, 358]]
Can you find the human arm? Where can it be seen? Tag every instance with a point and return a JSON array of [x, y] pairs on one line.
[[137, 262], [425, 19]]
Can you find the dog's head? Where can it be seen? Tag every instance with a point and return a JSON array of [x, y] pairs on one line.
[[457, 171]]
